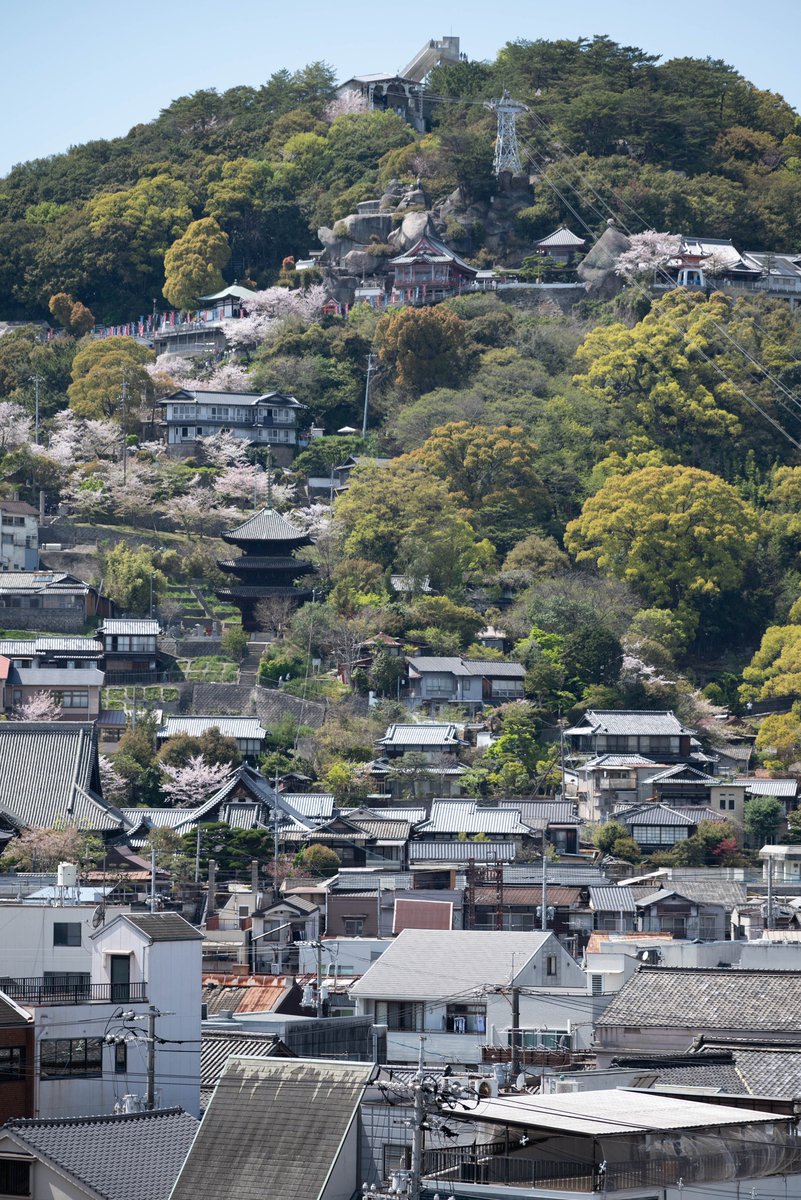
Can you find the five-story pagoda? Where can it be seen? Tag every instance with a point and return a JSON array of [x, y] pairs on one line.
[[266, 566]]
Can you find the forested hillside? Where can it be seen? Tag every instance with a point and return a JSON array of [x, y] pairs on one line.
[[688, 144], [619, 486]]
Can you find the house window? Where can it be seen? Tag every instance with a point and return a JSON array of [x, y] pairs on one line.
[[67, 933], [15, 1177], [12, 1063], [120, 1058], [353, 926], [551, 966], [77, 699], [396, 1158], [401, 1016], [466, 1018], [71, 1057], [542, 1039]]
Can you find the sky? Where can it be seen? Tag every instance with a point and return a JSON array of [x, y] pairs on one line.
[[70, 73]]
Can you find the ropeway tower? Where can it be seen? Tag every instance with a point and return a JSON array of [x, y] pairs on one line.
[[507, 148]]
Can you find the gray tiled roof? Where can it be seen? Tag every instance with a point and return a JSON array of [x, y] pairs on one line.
[[545, 812], [708, 998], [461, 851], [233, 727], [274, 1127], [465, 816], [134, 1156], [441, 733], [164, 927], [636, 722], [131, 627], [49, 776], [562, 237], [769, 787], [652, 814], [429, 964], [266, 526]]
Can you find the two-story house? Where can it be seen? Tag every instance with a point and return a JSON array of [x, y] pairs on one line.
[[51, 600], [421, 760], [263, 418], [456, 987], [659, 736], [95, 1042], [437, 681], [19, 536], [69, 668], [130, 650], [248, 732]]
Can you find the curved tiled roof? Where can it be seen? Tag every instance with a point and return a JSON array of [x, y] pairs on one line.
[[267, 525]]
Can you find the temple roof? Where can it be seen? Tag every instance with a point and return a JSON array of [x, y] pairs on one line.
[[267, 525], [430, 249], [563, 238]]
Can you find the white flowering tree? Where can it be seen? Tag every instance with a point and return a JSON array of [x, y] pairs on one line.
[[248, 486], [41, 706], [193, 783], [115, 789], [15, 425], [349, 101], [647, 253], [224, 449]]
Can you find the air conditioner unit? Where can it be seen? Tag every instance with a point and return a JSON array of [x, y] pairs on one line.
[[275, 969], [487, 1089], [566, 1085]]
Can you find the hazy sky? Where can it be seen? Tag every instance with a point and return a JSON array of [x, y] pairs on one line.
[[71, 72]]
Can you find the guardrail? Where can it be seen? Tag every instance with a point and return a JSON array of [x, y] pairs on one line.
[[37, 990]]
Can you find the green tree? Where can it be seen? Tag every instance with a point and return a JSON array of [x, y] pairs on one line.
[[74, 316], [404, 518], [98, 371], [605, 836], [234, 642], [194, 262], [318, 860], [129, 575], [680, 536], [425, 347], [780, 736], [762, 817]]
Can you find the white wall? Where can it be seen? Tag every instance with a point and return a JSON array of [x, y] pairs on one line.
[[26, 938], [355, 953]]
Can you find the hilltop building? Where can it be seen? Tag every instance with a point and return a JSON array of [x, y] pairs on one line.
[[269, 418], [266, 568]]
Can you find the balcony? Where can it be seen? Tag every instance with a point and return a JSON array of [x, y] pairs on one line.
[[39, 991], [488, 1165]]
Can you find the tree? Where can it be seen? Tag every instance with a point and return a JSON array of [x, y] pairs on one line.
[[41, 706], [74, 316], [402, 517], [762, 817], [98, 371], [132, 577], [318, 860], [194, 262], [680, 536], [492, 473], [425, 347], [605, 836], [234, 642], [114, 787], [774, 670], [780, 736], [193, 784], [647, 253], [273, 614], [38, 849]]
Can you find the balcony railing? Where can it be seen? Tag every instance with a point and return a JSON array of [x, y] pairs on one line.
[[52, 991], [487, 1165]]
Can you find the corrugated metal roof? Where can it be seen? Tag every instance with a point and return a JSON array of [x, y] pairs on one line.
[[612, 899], [428, 734], [531, 897], [132, 627], [58, 677], [465, 816], [234, 727], [461, 852], [296, 1114], [635, 722], [609, 1112], [428, 964]]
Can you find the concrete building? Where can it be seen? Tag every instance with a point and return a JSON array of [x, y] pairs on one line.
[[19, 536]]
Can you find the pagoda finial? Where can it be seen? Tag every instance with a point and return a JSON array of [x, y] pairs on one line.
[[269, 477]]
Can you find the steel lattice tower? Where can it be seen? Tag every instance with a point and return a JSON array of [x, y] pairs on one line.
[[507, 149]]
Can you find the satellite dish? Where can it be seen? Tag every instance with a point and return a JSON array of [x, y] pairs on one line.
[[99, 916]]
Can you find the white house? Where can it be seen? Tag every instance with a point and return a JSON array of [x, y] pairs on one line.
[[19, 536], [265, 419], [91, 1045], [456, 988], [47, 944]]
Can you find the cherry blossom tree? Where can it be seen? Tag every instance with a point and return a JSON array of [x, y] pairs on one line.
[[646, 254], [350, 101], [194, 783], [41, 706], [268, 310], [43, 849], [247, 486], [115, 789], [15, 425], [224, 449], [197, 511]]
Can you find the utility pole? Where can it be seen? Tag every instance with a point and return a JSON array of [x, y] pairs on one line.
[[150, 1103], [370, 369], [124, 433], [275, 836], [544, 911], [515, 1031], [319, 997], [770, 892], [417, 1127], [152, 879], [37, 381]]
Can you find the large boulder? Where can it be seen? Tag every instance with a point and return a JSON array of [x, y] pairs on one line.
[[597, 269], [360, 262], [411, 229]]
